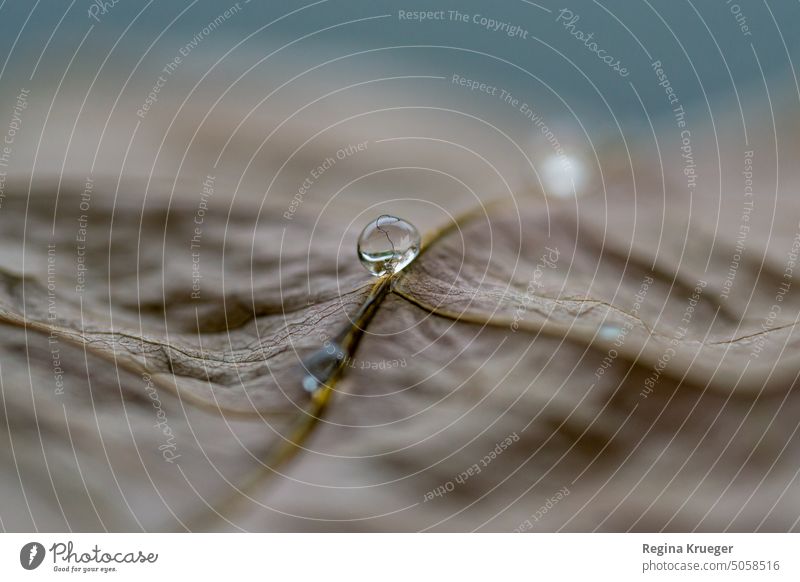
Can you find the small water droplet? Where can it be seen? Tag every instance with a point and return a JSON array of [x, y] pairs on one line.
[[609, 332], [388, 244], [563, 176], [320, 365]]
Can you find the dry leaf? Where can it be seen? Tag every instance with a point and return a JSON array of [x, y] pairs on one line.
[[526, 331]]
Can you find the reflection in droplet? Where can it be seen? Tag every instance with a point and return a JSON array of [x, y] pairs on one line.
[[387, 245], [563, 176]]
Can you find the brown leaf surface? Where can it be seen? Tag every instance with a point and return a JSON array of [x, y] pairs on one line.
[[461, 356]]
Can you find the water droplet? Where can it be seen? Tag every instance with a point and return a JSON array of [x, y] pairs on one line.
[[387, 245], [609, 332], [320, 365], [563, 176]]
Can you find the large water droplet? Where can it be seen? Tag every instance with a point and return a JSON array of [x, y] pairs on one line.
[[387, 245]]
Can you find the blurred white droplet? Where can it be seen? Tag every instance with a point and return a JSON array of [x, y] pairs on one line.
[[609, 332], [563, 176]]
